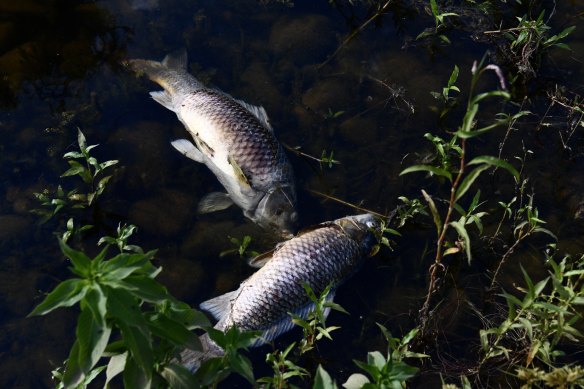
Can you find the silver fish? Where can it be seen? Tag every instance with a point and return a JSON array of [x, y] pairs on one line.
[[326, 254], [233, 139]]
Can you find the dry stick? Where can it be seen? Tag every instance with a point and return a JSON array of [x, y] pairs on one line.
[[354, 33], [438, 261], [505, 256], [347, 203]]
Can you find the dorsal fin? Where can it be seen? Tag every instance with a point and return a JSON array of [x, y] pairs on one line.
[[219, 306], [176, 60], [259, 112]]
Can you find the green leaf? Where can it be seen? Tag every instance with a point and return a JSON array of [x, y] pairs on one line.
[[375, 358], [136, 377], [242, 365], [356, 381], [144, 288], [427, 168], [373, 371], [81, 141], [122, 265], [179, 377], [92, 339], [453, 77], [73, 375], [495, 93], [323, 380], [434, 210], [494, 161], [139, 345], [80, 261], [95, 301], [125, 309], [461, 229], [467, 121], [469, 180], [175, 332], [66, 294], [107, 164], [116, 365], [75, 169]]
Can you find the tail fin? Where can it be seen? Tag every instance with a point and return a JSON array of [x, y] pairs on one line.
[[170, 73], [192, 359]]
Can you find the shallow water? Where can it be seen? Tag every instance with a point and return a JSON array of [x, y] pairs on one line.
[[60, 67]]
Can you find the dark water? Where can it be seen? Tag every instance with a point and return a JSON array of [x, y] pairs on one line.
[[60, 70]]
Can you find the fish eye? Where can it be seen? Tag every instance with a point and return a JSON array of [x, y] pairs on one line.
[[279, 211]]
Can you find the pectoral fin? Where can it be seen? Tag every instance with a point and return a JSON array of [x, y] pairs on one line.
[[188, 149], [164, 99], [214, 201], [239, 174]]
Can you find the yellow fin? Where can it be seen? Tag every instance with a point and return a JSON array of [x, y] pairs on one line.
[[238, 172]]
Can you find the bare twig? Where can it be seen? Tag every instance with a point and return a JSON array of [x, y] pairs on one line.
[[355, 32], [348, 203]]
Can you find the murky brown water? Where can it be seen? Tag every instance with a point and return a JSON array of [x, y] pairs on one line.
[[59, 62]]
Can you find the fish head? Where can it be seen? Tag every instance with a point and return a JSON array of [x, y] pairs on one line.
[[276, 211], [363, 229]]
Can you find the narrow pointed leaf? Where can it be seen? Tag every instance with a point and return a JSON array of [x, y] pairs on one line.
[[92, 339], [469, 180], [460, 228], [66, 294], [495, 162], [427, 168]]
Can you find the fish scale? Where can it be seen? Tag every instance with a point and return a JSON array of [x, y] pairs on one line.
[[252, 146]]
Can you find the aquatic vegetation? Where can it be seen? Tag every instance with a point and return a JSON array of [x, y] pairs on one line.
[[91, 173], [440, 23], [314, 326], [390, 371], [451, 163], [119, 298], [283, 369], [541, 316], [529, 39]]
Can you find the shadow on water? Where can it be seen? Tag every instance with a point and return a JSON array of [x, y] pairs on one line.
[[370, 104]]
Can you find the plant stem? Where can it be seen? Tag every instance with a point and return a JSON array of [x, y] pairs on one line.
[[439, 244]]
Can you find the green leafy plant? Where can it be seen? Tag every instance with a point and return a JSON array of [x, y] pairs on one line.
[[439, 23], [217, 369], [119, 295], [283, 369], [389, 371], [314, 326], [242, 247], [444, 97], [451, 164], [540, 319], [529, 39], [91, 172]]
